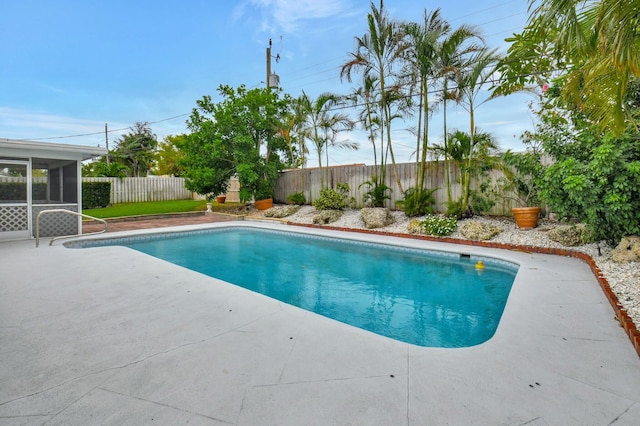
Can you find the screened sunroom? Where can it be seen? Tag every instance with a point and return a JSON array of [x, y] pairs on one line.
[[37, 176]]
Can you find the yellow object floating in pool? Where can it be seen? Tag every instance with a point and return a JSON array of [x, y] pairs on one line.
[[479, 265]]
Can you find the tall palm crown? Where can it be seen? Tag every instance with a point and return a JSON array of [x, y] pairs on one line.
[[378, 54], [600, 40]]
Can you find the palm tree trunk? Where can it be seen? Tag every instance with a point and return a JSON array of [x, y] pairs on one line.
[[447, 162], [425, 138], [467, 185], [418, 142], [394, 166]]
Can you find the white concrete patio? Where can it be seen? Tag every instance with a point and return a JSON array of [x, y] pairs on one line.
[[112, 336]]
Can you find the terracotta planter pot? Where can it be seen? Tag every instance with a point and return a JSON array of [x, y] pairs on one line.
[[526, 217], [220, 199], [265, 204]]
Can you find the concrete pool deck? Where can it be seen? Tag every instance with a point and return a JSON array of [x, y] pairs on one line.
[[112, 336]]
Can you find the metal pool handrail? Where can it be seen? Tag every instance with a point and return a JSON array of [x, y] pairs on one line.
[[106, 225]]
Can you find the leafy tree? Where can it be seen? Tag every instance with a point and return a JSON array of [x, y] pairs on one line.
[[102, 169], [239, 135], [595, 176], [169, 156], [136, 150]]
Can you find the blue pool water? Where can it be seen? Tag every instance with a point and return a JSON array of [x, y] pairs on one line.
[[425, 298]]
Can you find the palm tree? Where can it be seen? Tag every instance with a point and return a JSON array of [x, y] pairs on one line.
[[453, 57], [421, 54], [367, 98], [322, 125], [470, 82], [376, 55], [472, 155], [603, 41], [301, 107]]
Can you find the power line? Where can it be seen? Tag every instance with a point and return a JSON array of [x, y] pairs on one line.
[[294, 80], [102, 132]]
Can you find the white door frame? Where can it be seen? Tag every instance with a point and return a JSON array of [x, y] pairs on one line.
[[26, 233]]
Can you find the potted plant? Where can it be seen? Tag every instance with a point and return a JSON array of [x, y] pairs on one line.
[[263, 197], [522, 175]]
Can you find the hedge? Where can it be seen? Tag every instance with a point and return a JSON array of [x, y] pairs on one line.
[[17, 191], [96, 194]]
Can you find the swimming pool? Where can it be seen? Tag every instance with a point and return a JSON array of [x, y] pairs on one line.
[[426, 298]]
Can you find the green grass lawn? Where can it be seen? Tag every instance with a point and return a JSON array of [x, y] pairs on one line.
[[156, 207]]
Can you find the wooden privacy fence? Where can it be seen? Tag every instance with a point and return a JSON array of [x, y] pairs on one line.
[[307, 181], [140, 189]]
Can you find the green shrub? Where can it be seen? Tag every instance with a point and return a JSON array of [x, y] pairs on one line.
[[96, 194], [439, 225], [39, 191], [417, 202], [376, 195], [333, 199], [17, 191], [482, 200], [454, 208], [297, 198]]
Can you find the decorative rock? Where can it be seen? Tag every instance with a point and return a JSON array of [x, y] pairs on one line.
[[281, 211], [479, 230], [415, 227], [569, 235], [376, 217], [327, 216], [628, 250]]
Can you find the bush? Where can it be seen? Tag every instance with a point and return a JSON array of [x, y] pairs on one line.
[[599, 186], [417, 202], [376, 195], [297, 198], [439, 225], [96, 194], [333, 199], [454, 208]]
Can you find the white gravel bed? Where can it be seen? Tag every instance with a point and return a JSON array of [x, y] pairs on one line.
[[624, 279]]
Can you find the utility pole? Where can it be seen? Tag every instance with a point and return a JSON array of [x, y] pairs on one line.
[[268, 63], [272, 79], [106, 140]]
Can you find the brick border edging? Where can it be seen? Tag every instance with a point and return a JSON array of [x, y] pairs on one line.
[[138, 218], [621, 314]]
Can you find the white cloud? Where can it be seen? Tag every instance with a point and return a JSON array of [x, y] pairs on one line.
[[288, 15], [23, 124]]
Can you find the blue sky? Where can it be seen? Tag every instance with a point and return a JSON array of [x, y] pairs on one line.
[[70, 66]]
